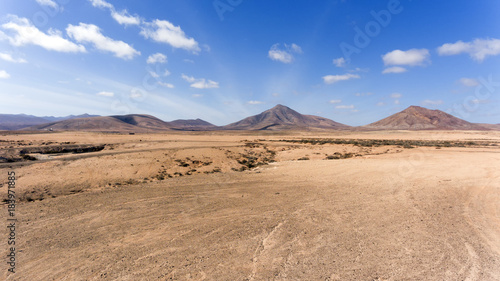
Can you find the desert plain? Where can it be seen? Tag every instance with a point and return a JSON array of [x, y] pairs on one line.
[[338, 205]]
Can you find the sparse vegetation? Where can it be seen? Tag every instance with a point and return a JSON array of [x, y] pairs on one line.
[[378, 142]]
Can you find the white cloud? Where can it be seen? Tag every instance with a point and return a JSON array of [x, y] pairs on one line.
[[197, 95], [9, 58], [335, 101], [106, 94], [157, 58], [396, 102], [394, 69], [49, 3], [165, 32], [411, 57], [363, 94], [166, 73], [4, 74], [200, 83], [28, 34], [478, 49], [254, 102], [469, 82], [188, 60], [396, 95], [101, 4], [345, 106], [432, 102], [275, 94], [168, 85], [330, 79], [295, 48], [339, 62], [380, 103], [122, 17], [89, 33], [189, 79], [125, 18], [154, 74], [284, 55]]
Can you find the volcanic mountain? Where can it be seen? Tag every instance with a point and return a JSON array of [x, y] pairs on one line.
[[192, 125], [281, 117], [420, 118], [18, 121], [118, 123]]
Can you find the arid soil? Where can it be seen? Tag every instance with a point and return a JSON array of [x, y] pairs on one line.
[[249, 206]]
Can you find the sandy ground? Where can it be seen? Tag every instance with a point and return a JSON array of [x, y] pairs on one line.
[[387, 213]]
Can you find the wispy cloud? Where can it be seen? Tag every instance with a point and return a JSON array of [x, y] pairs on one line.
[[125, 18], [478, 49], [469, 82], [122, 17], [411, 57], [254, 102], [394, 69], [153, 74], [101, 4], [200, 83], [157, 58], [432, 102], [396, 97], [339, 62], [4, 74], [363, 94], [165, 32], [330, 79], [89, 33], [27, 34], [285, 54], [168, 85], [9, 58], [49, 3], [345, 106], [335, 101], [106, 94]]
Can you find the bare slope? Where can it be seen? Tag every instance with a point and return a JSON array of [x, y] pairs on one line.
[[281, 117], [19, 121], [420, 118], [124, 123], [192, 125]]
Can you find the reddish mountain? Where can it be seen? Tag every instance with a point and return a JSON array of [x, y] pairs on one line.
[[192, 125], [121, 123], [420, 118], [281, 117]]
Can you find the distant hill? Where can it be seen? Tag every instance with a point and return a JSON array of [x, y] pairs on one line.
[[281, 117], [420, 118], [19, 121], [53, 119], [119, 123], [192, 125], [490, 126]]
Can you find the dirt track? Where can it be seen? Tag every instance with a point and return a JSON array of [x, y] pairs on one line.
[[423, 214]]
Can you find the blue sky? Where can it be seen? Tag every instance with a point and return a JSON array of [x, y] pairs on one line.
[[222, 60]]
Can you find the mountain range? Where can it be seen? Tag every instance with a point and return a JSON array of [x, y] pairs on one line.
[[19, 121], [279, 117]]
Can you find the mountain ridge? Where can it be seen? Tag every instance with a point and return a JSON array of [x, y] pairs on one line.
[[421, 118], [281, 117]]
